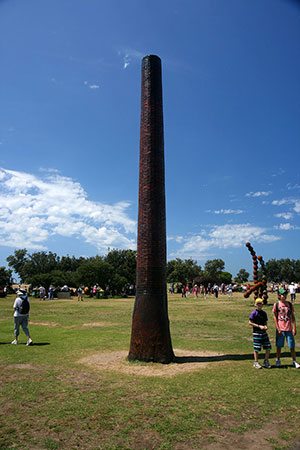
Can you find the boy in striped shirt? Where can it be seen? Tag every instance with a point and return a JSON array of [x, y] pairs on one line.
[[258, 320]]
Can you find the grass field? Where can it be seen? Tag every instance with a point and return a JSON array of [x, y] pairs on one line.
[[55, 395]]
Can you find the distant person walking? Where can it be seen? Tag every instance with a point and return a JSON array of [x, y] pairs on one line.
[[216, 290], [51, 293], [292, 289], [21, 315], [42, 292], [229, 289], [79, 294], [195, 290]]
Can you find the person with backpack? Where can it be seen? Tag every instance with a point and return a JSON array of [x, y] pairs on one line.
[[80, 294], [284, 317], [21, 315]]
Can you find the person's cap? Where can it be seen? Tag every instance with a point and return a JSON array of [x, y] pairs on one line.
[[20, 292], [282, 291], [258, 300]]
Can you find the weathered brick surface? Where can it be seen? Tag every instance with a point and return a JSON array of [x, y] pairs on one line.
[[150, 337]]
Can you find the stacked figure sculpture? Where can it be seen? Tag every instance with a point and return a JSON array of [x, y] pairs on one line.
[[260, 287]]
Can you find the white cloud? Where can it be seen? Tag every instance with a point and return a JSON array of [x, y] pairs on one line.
[[228, 211], [286, 227], [297, 206], [224, 236], [126, 61], [286, 216], [91, 86], [288, 201], [258, 194], [33, 209], [129, 55], [293, 186], [280, 202]]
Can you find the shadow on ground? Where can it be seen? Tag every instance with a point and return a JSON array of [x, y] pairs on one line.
[[230, 357], [34, 344]]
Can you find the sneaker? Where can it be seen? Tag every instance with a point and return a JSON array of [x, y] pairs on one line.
[[278, 363], [257, 365], [29, 342], [14, 341], [267, 364], [296, 365]]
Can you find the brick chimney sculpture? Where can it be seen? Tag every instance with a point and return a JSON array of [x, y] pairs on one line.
[[150, 335]]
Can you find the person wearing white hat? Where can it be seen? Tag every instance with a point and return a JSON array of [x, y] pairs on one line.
[[21, 315]]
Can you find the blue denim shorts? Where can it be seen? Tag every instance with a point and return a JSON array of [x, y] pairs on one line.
[[289, 339]]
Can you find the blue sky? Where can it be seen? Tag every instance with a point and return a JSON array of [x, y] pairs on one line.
[[69, 125]]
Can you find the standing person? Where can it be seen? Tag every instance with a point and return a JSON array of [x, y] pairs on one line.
[[195, 290], [79, 294], [259, 320], [284, 317], [208, 290], [216, 290], [51, 293], [21, 315], [292, 289], [230, 291], [42, 291]]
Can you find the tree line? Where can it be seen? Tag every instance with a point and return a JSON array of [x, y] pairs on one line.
[[117, 269]]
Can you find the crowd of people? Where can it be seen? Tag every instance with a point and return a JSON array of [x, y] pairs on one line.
[[283, 314], [203, 290]]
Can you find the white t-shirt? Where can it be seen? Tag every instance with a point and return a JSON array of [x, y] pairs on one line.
[[292, 289], [17, 305]]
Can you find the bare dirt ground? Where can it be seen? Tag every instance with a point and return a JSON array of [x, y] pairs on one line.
[[116, 361]]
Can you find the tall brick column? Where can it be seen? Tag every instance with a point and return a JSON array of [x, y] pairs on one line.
[[150, 336]]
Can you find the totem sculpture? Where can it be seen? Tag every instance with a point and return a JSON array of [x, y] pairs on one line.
[[260, 287], [150, 336]]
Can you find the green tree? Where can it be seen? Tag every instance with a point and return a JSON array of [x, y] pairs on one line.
[[213, 269], [242, 276], [273, 270], [117, 284], [182, 271], [69, 263], [123, 263], [214, 266], [17, 262], [40, 262], [225, 277], [5, 277], [287, 270], [94, 271]]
